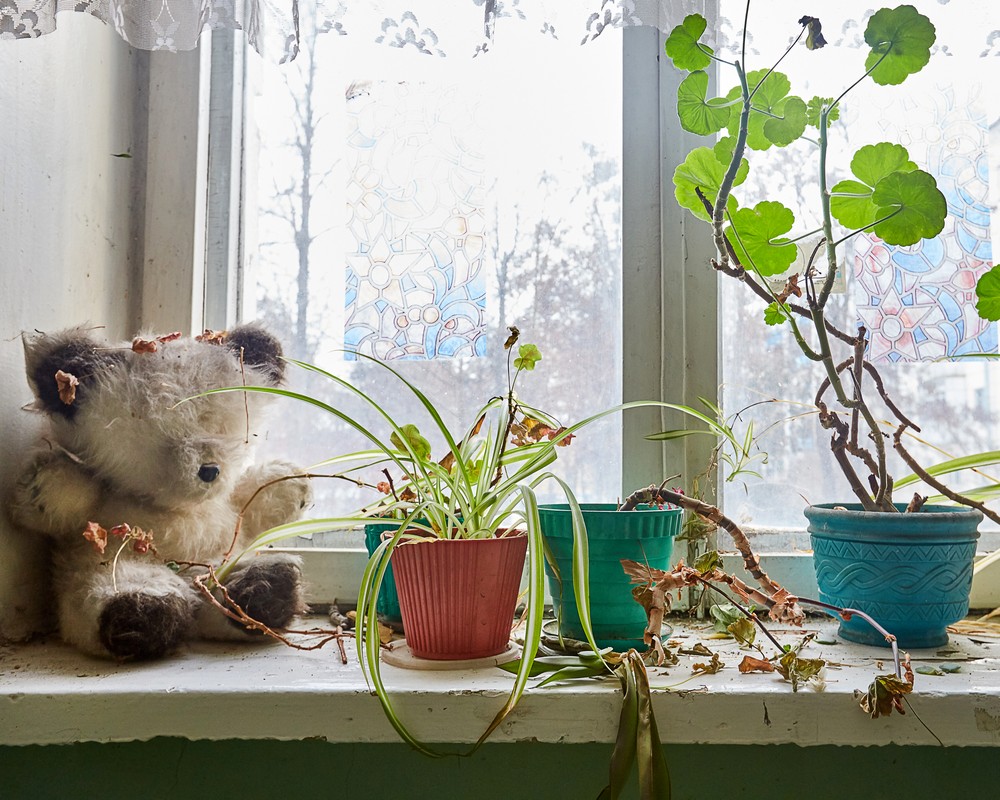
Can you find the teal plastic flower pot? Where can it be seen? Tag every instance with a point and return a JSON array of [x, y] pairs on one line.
[[911, 572], [387, 603], [644, 534]]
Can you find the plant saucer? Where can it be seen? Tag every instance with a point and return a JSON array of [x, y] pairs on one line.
[[399, 655]]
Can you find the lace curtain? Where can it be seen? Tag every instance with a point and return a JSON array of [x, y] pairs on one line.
[[272, 26]]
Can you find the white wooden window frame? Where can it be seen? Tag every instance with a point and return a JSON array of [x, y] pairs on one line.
[[670, 299]]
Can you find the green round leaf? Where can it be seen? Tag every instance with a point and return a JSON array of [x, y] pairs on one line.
[[870, 165], [790, 123], [760, 241], [774, 118], [696, 114], [527, 356], [988, 294], [853, 212], [418, 444], [702, 169], [815, 106], [874, 161], [682, 45], [920, 205], [774, 314], [904, 37]]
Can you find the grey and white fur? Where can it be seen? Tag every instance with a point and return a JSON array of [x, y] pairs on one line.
[[127, 450]]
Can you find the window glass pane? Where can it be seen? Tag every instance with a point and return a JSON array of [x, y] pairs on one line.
[[917, 302], [479, 193]]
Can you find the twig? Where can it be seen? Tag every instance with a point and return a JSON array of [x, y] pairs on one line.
[[233, 610]]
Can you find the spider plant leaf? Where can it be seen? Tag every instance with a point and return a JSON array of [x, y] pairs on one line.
[[971, 461], [534, 613], [624, 753]]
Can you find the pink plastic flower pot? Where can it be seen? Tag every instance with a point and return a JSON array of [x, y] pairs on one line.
[[457, 596]]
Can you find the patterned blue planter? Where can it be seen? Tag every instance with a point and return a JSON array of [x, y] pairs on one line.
[[910, 572]]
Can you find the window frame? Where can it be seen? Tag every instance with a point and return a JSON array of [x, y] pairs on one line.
[[670, 299]]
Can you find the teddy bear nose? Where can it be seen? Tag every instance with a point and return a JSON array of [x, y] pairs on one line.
[[208, 472]]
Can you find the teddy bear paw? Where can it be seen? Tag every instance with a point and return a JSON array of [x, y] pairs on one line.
[[53, 493], [269, 590], [135, 626]]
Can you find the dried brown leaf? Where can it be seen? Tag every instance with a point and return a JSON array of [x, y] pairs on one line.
[[96, 535], [710, 668], [212, 337], [751, 664], [512, 339], [66, 383]]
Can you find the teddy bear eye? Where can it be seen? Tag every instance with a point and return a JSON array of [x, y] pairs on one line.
[[208, 472]]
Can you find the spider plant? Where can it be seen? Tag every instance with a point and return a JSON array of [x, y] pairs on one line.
[[484, 483]]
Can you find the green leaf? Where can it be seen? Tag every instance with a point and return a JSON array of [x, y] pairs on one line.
[[682, 45], [904, 37], [815, 106], [790, 123], [870, 164], [775, 118], [774, 314], [972, 461], [757, 237], [528, 356], [701, 169], [697, 114], [706, 562], [855, 210], [988, 294], [724, 615], [724, 149], [679, 433], [743, 631], [918, 207], [419, 446]]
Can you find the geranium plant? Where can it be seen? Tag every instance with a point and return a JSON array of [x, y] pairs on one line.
[[887, 194]]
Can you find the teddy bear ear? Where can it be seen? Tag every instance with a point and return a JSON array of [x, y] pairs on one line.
[[62, 366], [261, 350]]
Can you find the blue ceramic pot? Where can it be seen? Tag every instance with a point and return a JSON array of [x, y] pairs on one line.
[[911, 572], [643, 534]]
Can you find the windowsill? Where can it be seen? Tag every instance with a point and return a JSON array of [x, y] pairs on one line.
[[50, 694]]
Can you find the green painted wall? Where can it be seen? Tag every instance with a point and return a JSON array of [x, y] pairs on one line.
[[176, 768]]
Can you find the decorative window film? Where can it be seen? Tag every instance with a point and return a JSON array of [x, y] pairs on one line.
[[918, 303], [415, 282]]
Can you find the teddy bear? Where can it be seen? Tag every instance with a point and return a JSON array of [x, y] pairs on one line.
[[132, 449]]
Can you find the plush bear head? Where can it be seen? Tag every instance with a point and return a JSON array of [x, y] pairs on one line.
[[125, 411]]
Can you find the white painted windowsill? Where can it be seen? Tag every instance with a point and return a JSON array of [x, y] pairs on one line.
[[51, 694]]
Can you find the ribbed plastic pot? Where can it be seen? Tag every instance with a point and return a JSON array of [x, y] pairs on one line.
[[387, 602], [911, 572], [457, 596], [643, 534]]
